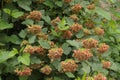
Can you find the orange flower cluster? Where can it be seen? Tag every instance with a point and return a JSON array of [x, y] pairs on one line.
[[42, 35], [99, 31], [67, 34], [25, 72], [69, 66], [74, 17], [89, 24], [67, 1], [34, 49], [82, 54], [102, 48], [35, 15], [91, 7], [46, 70], [76, 8], [100, 77], [75, 27], [90, 43], [55, 21], [86, 32], [106, 64], [55, 53], [34, 29]]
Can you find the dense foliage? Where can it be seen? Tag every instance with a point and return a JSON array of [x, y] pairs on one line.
[[59, 40]]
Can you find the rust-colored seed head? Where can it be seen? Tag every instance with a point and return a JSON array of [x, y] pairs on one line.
[[67, 34], [106, 64], [76, 8], [102, 48], [52, 44], [24, 42], [55, 21], [99, 31], [39, 50], [42, 35], [46, 70], [25, 72], [35, 15], [74, 17], [86, 32], [67, 1], [89, 24], [90, 43], [69, 66], [55, 53], [100, 77], [91, 7], [34, 29], [29, 49], [23, 17], [82, 54], [75, 27]]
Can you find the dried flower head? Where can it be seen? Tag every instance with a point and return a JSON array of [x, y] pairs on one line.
[[23, 17], [76, 27], [102, 48], [91, 7], [34, 29], [106, 64], [100, 77], [29, 49], [55, 21], [69, 65], [90, 43], [99, 31], [76, 8], [24, 42], [52, 44], [24, 72], [67, 34], [89, 78], [39, 50], [35, 15], [46, 70], [74, 17], [55, 53], [67, 1], [89, 24], [42, 36], [86, 32], [82, 54]]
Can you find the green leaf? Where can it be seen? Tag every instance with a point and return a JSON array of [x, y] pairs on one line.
[[22, 34], [57, 78], [44, 44], [8, 11], [47, 19], [16, 13], [49, 3], [5, 25], [80, 34], [28, 22], [23, 77], [84, 76], [14, 39], [70, 75], [103, 13], [24, 5], [59, 3], [25, 58], [66, 48], [32, 39], [74, 43], [35, 59], [62, 25]]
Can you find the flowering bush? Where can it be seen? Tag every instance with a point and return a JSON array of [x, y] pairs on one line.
[[59, 40]]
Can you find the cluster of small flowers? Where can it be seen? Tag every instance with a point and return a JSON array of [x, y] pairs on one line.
[[100, 77], [25, 72], [24, 42], [106, 64], [89, 24], [75, 27], [99, 31], [42, 35], [67, 1], [52, 44], [82, 54], [102, 48], [91, 7], [86, 32], [76, 8], [74, 17], [35, 66], [90, 43], [89, 78], [34, 29], [35, 15], [34, 49], [55, 53], [55, 21], [67, 34], [69, 66], [46, 70]]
